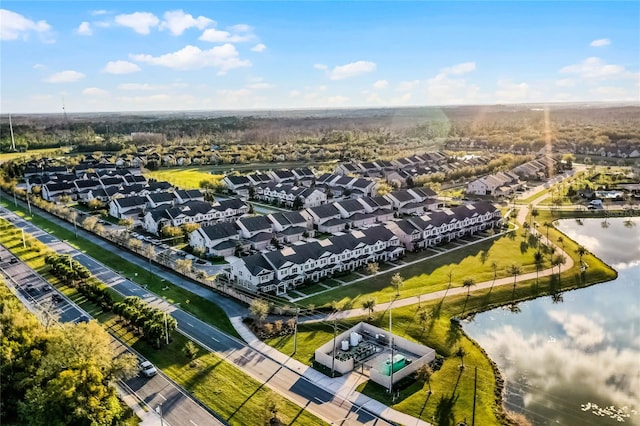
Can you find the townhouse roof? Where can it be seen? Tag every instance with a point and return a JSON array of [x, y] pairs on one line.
[[350, 206], [238, 180], [130, 201], [231, 203], [362, 183], [219, 230], [161, 197], [324, 210], [187, 194], [402, 195], [86, 183], [161, 185], [255, 223], [343, 181], [287, 218]]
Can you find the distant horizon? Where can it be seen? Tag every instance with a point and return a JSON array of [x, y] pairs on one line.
[[587, 104], [193, 55]]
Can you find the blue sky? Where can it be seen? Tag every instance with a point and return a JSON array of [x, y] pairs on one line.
[[142, 56]]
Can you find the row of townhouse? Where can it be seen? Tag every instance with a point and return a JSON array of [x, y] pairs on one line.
[[102, 185], [501, 183], [446, 225], [240, 184], [200, 212], [289, 195], [257, 233], [283, 270], [505, 183], [379, 168], [134, 207]]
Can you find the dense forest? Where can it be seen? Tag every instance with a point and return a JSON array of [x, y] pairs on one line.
[[383, 132]]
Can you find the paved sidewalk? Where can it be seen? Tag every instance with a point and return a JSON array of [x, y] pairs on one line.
[[342, 387]]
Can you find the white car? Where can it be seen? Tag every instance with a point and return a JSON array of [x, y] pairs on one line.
[[147, 369]]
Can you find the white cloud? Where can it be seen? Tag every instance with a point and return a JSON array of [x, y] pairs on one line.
[[600, 42], [98, 12], [120, 67], [406, 86], [94, 91], [65, 77], [565, 82], [381, 84], [224, 58], [401, 100], [337, 100], [84, 29], [321, 67], [39, 67], [137, 86], [463, 68], [260, 85], [610, 91], [241, 28], [260, 47], [584, 332], [176, 21], [218, 36], [594, 68], [16, 26], [352, 70], [140, 22], [512, 92], [294, 94]]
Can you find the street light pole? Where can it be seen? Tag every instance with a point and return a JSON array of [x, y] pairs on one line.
[[333, 355], [295, 333], [166, 328], [24, 243], [159, 411]]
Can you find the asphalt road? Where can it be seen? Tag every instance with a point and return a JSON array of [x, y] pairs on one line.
[[289, 383], [177, 408]]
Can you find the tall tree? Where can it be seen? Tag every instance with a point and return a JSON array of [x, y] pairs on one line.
[[259, 309], [515, 270], [369, 304], [424, 374], [538, 260], [397, 282]]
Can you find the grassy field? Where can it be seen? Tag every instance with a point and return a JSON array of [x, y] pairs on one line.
[[473, 261], [235, 396], [6, 156], [198, 306], [185, 178]]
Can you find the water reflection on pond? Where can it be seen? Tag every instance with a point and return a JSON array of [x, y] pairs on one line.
[[576, 362]]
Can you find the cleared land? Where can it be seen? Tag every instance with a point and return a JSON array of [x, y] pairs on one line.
[[185, 178]]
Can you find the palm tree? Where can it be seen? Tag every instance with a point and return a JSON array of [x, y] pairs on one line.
[[468, 283], [581, 252], [534, 213], [424, 375], [561, 241], [515, 270], [538, 259], [547, 225], [423, 317], [369, 304], [494, 265], [460, 353]]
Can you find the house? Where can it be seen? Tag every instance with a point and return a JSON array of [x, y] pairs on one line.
[[128, 208], [348, 169], [198, 212], [408, 233], [259, 178], [401, 197], [184, 195], [326, 218], [257, 230], [303, 176], [219, 239], [282, 176], [362, 186], [158, 199], [229, 210], [282, 270], [54, 190], [291, 196], [236, 183], [290, 226]]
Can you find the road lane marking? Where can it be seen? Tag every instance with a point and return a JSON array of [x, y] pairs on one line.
[[161, 396], [215, 339], [189, 324], [192, 422]]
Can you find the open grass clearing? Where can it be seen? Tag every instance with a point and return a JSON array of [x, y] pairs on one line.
[[183, 177], [6, 156]]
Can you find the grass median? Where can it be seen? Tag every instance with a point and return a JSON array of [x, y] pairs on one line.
[[202, 308]]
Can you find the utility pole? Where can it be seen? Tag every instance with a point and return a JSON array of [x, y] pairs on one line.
[[295, 333], [475, 388], [24, 243], [166, 327], [391, 371], [29, 204], [333, 355]]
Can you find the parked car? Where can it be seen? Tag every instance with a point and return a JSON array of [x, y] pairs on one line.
[[13, 260], [82, 318], [147, 369]]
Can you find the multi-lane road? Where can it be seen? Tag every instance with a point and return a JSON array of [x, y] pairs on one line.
[[287, 382], [177, 407]]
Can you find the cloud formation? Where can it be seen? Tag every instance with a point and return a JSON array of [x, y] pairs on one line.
[[120, 67], [68, 76], [94, 91], [177, 21], [594, 68], [84, 29], [140, 22], [600, 42], [260, 47], [213, 35], [352, 69], [15, 26], [223, 58], [381, 84]]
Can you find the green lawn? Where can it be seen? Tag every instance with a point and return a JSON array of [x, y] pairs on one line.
[[6, 156], [198, 306], [473, 261], [185, 178], [208, 379]]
